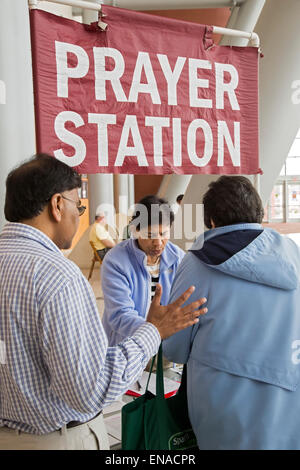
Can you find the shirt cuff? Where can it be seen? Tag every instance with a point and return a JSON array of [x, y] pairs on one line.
[[148, 338]]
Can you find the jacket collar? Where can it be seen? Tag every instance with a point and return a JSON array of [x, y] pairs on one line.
[[214, 232], [167, 258], [15, 230]]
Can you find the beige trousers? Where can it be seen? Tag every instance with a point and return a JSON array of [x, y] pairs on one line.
[[87, 436]]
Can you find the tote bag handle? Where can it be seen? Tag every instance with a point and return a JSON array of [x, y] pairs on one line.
[[150, 371], [160, 392], [159, 373]]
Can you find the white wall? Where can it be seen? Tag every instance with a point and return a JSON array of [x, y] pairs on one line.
[[278, 28], [17, 135]]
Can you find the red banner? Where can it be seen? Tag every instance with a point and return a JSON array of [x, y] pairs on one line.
[[150, 95]]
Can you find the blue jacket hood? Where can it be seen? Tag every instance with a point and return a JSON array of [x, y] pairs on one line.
[[264, 256]]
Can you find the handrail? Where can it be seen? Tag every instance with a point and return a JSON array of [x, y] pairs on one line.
[[253, 37], [73, 3]]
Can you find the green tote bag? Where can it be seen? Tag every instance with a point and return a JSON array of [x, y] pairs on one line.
[[153, 422]]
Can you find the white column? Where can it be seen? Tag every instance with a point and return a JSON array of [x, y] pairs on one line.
[[189, 221], [101, 186], [244, 18], [173, 185], [17, 131], [123, 192], [131, 190], [101, 192], [121, 195], [278, 28]]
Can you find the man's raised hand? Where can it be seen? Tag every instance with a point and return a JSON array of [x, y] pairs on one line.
[[172, 318]]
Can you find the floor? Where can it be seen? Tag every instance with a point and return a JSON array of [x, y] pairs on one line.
[[284, 228]]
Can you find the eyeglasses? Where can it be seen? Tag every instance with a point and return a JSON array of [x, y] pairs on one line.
[[80, 208]]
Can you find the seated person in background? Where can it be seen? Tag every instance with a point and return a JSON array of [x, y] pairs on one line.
[[126, 233], [132, 269], [243, 356], [99, 236], [176, 206], [179, 199]]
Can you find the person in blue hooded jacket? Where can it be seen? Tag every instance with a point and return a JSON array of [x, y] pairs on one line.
[[132, 269], [243, 356]]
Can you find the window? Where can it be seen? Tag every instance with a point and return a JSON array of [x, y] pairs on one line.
[[284, 203], [277, 202], [293, 201]]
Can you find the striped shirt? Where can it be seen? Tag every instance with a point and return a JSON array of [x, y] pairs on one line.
[[55, 364], [153, 270]]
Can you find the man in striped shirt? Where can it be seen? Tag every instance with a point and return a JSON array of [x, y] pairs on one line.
[[56, 369]]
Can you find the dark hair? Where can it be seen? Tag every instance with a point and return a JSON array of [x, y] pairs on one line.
[[179, 198], [232, 200], [30, 186], [152, 210]]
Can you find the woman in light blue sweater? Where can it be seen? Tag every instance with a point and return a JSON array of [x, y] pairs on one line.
[[132, 269]]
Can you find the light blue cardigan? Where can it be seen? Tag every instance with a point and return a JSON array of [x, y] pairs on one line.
[[243, 384], [125, 285]]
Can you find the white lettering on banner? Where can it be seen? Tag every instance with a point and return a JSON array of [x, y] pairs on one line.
[[208, 142], [109, 68], [102, 121], [229, 87], [195, 83], [2, 352], [234, 149], [177, 145], [102, 75], [171, 77], [63, 71], [69, 138], [131, 125], [158, 123], [143, 62]]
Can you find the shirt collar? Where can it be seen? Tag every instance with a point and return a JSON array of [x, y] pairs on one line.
[[16, 230]]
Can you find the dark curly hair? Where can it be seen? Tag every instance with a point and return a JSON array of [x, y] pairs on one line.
[[30, 186], [152, 210], [232, 200]]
